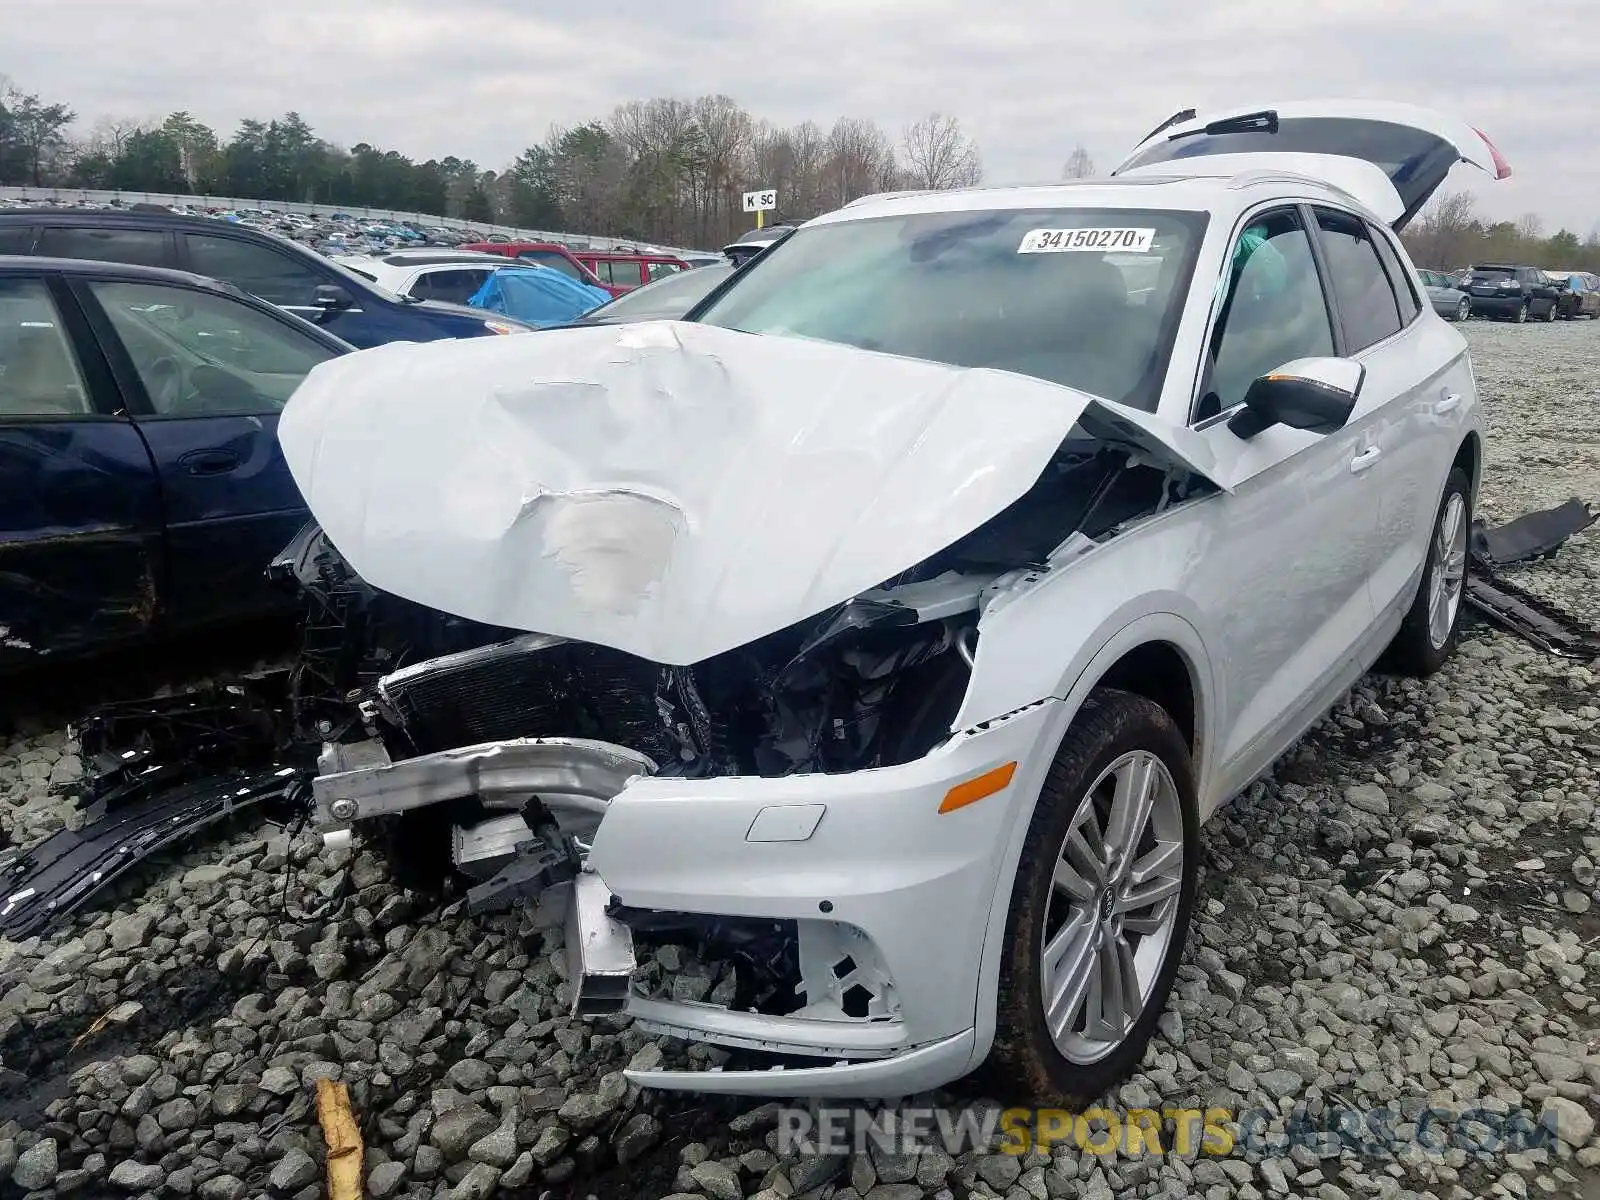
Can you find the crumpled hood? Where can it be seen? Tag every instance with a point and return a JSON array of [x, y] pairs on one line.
[[671, 490]]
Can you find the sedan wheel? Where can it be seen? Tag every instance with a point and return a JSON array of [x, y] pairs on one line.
[[1464, 310], [1100, 906], [1522, 313], [1428, 634], [1551, 315]]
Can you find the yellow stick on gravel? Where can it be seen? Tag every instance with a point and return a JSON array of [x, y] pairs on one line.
[[343, 1139]]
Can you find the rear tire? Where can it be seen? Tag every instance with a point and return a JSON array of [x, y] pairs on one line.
[[1522, 313], [1551, 315], [1432, 626], [1464, 310], [1088, 893]]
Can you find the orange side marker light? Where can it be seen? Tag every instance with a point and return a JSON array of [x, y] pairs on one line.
[[977, 789]]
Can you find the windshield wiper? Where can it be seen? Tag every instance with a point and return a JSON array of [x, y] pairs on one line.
[[1265, 121]]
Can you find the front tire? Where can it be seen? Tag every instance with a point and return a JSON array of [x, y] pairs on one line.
[[1464, 310], [1432, 626], [1101, 905]]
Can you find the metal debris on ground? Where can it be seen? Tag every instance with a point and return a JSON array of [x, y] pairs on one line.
[[1516, 610]]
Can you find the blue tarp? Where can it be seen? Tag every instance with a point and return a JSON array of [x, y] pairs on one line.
[[537, 295]]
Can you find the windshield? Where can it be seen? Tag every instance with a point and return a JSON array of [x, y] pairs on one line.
[[1088, 298], [666, 299]]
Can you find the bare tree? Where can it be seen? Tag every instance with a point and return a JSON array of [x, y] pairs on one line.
[[1079, 164], [1529, 227], [857, 161], [938, 155], [1448, 233]]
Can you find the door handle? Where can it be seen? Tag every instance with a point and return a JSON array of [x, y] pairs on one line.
[[209, 462], [1365, 459], [1447, 403]]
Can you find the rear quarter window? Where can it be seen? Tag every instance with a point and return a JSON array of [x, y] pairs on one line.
[[16, 239], [136, 247]]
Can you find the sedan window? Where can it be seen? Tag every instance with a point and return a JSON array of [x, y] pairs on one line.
[[39, 375], [204, 354], [1273, 313], [1084, 297], [275, 277]]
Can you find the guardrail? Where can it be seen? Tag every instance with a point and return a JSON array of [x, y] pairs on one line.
[[42, 195]]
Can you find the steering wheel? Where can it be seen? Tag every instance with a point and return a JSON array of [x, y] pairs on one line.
[[168, 385]]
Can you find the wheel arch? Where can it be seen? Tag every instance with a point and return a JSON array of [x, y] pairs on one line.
[[1469, 457], [1161, 657]]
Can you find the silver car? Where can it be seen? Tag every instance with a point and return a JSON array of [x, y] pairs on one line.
[[1449, 301]]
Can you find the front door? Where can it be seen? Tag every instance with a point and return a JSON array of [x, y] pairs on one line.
[[80, 512], [1302, 515], [208, 375]]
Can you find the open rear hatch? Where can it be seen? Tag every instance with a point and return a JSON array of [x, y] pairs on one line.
[[1413, 147]]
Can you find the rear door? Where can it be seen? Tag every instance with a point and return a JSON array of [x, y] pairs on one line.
[[1417, 385], [1413, 148], [206, 375], [80, 511]]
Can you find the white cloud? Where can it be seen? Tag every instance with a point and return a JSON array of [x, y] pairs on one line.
[[1030, 79]]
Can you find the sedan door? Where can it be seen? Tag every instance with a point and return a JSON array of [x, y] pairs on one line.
[[207, 374], [80, 511], [1298, 533]]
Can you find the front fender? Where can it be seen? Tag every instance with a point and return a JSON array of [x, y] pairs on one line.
[[1156, 626]]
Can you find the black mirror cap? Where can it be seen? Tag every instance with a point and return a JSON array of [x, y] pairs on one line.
[[330, 296], [1295, 401]]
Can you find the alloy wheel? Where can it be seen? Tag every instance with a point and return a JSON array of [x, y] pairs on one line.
[[1522, 313], [1113, 907], [1464, 310], [1448, 576], [1551, 315]]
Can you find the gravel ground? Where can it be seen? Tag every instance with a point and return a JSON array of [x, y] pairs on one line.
[[1407, 911]]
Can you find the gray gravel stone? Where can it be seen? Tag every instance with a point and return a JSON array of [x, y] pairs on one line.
[[37, 1166], [294, 1171], [385, 1179], [136, 1176]]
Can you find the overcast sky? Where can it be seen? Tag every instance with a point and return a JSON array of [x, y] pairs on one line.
[[1029, 79]]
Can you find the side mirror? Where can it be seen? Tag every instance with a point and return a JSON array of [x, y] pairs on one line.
[[331, 298], [1314, 394]]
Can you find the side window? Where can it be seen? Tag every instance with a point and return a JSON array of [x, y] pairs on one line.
[[16, 239], [140, 247], [1367, 305], [39, 374], [549, 258], [204, 354], [275, 277], [1273, 311], [457, 287], [626, 273], [660, 270], [1399, 277]]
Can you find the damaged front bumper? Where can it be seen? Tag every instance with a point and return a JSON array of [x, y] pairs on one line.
[[890, 898]]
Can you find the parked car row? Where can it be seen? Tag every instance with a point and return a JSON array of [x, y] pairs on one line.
[[1513, 292]]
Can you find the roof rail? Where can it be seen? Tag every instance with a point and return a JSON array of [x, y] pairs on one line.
[[888, 196]]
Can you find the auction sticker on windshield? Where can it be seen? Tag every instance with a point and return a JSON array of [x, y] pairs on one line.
[[1058, 241]]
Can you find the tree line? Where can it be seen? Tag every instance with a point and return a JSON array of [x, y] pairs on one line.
[[662, 170], [1450, 234]]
